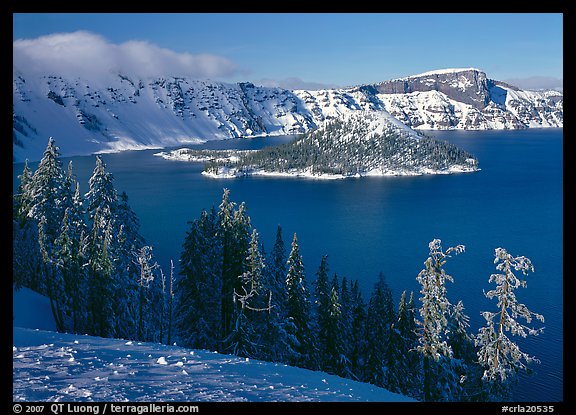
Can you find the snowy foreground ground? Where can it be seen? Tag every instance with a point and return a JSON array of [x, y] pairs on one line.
[[50, 366]]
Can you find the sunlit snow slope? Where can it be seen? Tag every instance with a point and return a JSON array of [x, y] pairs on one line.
[[123, 111], [50, 366]]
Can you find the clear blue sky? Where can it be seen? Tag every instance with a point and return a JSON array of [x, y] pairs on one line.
[[333, 48]]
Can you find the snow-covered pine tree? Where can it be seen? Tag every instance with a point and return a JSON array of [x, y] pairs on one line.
[[26, 257], [274, 336], [234, 232], [465, 369], [148, 296], [380, 317], [357, 339], [500, 357], [54, 283], [101, 283], [44, 199], [321, 315], [415, 383], [24, 234], [335, 361], [298, 309], [21, 199], [128, 246], [434, 314], [276, 271], [346, 325], [198, 301], [398, 373], [251, 300], [46, 192], [101, 206], [70, 258]]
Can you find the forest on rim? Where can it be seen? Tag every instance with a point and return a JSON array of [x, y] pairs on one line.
[[85, 253]]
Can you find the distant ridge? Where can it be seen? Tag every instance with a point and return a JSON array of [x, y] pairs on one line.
[[122, 111]]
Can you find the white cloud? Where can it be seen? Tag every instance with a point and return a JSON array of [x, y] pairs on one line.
[[89, 55]]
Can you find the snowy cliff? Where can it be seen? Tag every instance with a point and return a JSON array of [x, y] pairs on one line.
[[126, 112]]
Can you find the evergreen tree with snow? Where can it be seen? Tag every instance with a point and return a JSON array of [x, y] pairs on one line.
[[251, 300], [26, 257], [46, 193], [53, 281], [346, 328], [101, 206], [21, 199], [102, 197], [335, 361], [128, 246], [358, 342], [198, 300], [276, 271], [433, 322], [234, 232], [298, 309], [500, 357], [465, 371], [43, 200], [100, 275], [276, 346], [25, 250], [70, 257], [380, 317], [322, 291], [148, 298], [405, 372]]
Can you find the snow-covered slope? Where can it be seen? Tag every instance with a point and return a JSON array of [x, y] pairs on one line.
[[127, 112], [50, 366]]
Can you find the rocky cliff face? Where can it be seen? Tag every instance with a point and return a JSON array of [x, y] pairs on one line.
[[467, 99], [124, 112], [469, 86]]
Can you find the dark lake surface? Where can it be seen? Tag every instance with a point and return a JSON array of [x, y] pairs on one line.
[[372, 224]]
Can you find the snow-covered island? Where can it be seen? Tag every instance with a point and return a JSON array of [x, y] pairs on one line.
[[359, 145]]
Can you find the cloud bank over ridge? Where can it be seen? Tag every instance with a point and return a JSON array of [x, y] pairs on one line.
[[89, 55]]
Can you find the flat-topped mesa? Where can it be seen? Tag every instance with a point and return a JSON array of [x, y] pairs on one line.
[[468, 85]]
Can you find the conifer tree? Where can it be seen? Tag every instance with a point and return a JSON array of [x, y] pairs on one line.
[[335, 361], [358, 342], [44, 201], [298, 308], [434, 314], [70, 258], [321, 314], [346, 328], [101, 283], [234, 232], [147, 320], [276, 345], [380, 317], [101, 207], [500, 357], [198, 299], [251, 300], [21, 200], [26, 257]]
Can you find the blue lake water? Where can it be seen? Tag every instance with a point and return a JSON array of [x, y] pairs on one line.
[[374, 224]]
